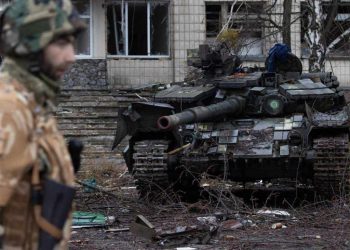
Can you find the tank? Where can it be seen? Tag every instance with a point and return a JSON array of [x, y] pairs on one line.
[[240, 124]]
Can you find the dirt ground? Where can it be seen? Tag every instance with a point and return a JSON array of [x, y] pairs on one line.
[[220, 221]]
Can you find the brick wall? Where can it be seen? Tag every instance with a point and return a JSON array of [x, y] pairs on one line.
[[87, 73], [126, 73]]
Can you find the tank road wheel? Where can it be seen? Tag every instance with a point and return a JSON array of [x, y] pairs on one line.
[[331, 166], [150, 166]]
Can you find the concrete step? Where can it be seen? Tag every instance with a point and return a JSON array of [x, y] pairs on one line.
[[84, 126], [85, 115], [92, 104], [90, 115], [111, 110], [92, 98], [86, 121], [88, 132]]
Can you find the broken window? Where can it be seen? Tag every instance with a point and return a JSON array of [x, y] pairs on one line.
[[335, 31], [3, 3], [83, 41], [138, 28], [244, 19], [213, 19]]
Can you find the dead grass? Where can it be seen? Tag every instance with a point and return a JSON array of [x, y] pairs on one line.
[[314, 224]]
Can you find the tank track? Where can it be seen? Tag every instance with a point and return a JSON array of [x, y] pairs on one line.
[[331, 166], [150, 166]]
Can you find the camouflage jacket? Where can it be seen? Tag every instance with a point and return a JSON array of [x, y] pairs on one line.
[[28, 136]]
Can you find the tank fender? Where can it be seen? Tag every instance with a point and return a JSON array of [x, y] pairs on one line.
[[139, 117]]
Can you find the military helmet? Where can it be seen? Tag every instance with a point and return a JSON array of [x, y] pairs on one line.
[[27, 26]]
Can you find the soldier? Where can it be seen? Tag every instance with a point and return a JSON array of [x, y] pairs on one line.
[[36, 172]]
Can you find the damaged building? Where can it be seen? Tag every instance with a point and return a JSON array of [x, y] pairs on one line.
[[140, 42], [135, 42]]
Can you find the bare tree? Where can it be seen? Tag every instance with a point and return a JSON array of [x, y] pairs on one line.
[[286, 22], [284, 26], [323, 29], [314, 35], [319, 27]]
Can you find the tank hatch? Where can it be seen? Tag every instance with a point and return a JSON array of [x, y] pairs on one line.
[[185, 93], [238, 81], [306, 89]]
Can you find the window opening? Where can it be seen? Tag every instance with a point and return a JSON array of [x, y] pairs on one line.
[[213, 19], [245, 20], [250, 28], [138, 28]]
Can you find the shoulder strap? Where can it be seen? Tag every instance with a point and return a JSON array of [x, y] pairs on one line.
[[41, 221]]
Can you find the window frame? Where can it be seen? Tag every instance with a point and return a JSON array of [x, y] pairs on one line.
[[225, 6], [89, 56], [219, 21], [148, 56]]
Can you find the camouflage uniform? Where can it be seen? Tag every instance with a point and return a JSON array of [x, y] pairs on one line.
[[30, 144]]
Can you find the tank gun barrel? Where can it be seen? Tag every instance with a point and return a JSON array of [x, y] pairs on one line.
[[233, 105]]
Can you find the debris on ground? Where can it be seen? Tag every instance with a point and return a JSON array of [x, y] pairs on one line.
[[89, 185], [114, 230], [200, 235], [231, 224], [273, 213], [186, 248], [88, 219], [278, 226], [214, 223], [143, 228], [209, 220], [300, 237]]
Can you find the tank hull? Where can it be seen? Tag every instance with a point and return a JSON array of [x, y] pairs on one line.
[[251, 150]]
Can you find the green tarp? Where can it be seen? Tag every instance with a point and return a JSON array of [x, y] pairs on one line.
[[88, 219]]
